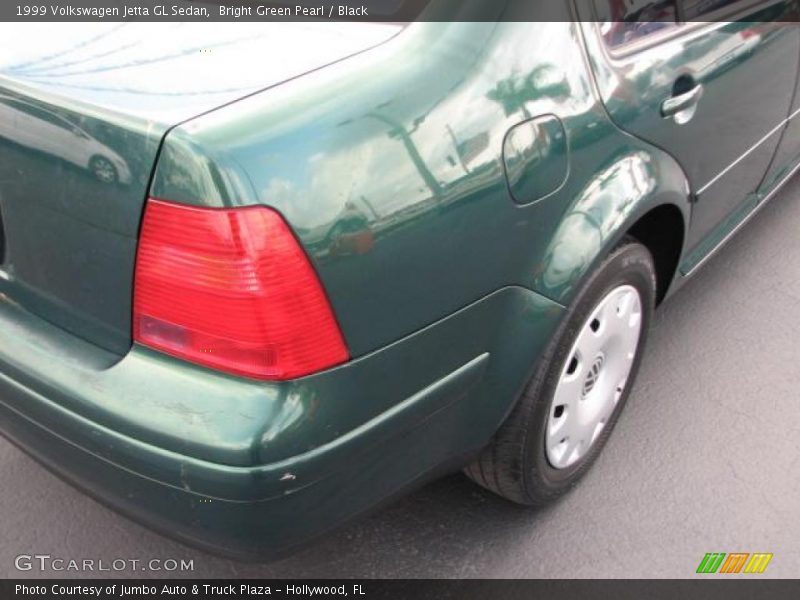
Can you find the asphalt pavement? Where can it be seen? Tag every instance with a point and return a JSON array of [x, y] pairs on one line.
[[705, 458]]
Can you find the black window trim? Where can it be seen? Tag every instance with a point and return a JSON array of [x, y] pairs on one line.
[[679, 29]]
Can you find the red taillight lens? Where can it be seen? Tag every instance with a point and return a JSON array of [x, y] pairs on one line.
[[233, 290]]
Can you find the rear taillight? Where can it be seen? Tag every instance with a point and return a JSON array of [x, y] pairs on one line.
[[231, 289]]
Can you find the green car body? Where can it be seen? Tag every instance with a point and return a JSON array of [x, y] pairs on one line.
[[452, 184]]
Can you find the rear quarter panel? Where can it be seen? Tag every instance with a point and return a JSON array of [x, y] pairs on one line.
[[389, 168]]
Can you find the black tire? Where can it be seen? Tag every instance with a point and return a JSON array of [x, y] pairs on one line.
[[103, 170], [515, 464]]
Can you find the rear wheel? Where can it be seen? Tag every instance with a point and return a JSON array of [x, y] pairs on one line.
[[569, 407]]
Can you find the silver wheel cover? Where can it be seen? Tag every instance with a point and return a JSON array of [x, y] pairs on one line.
[[594, 376]]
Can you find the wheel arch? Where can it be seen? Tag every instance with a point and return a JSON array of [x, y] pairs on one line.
[[662, 230], [640, 194]]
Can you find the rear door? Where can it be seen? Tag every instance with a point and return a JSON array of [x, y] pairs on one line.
[[787, 157], [715, 95]]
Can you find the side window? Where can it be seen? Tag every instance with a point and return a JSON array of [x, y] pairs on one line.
[[627, 21], [696, 9]]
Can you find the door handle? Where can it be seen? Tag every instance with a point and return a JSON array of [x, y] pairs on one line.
[[682, 107]]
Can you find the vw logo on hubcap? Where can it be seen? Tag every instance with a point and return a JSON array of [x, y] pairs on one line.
[[593, 375]]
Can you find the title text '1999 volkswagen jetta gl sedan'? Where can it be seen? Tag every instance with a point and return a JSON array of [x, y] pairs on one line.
[[249, 292]]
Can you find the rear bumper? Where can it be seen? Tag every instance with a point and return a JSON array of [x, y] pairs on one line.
[[252, 469], [243, 511]]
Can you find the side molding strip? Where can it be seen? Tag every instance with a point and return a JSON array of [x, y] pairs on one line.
[[744, 221]]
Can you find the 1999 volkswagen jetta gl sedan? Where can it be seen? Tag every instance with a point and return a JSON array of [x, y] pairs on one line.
[[393, 252]]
